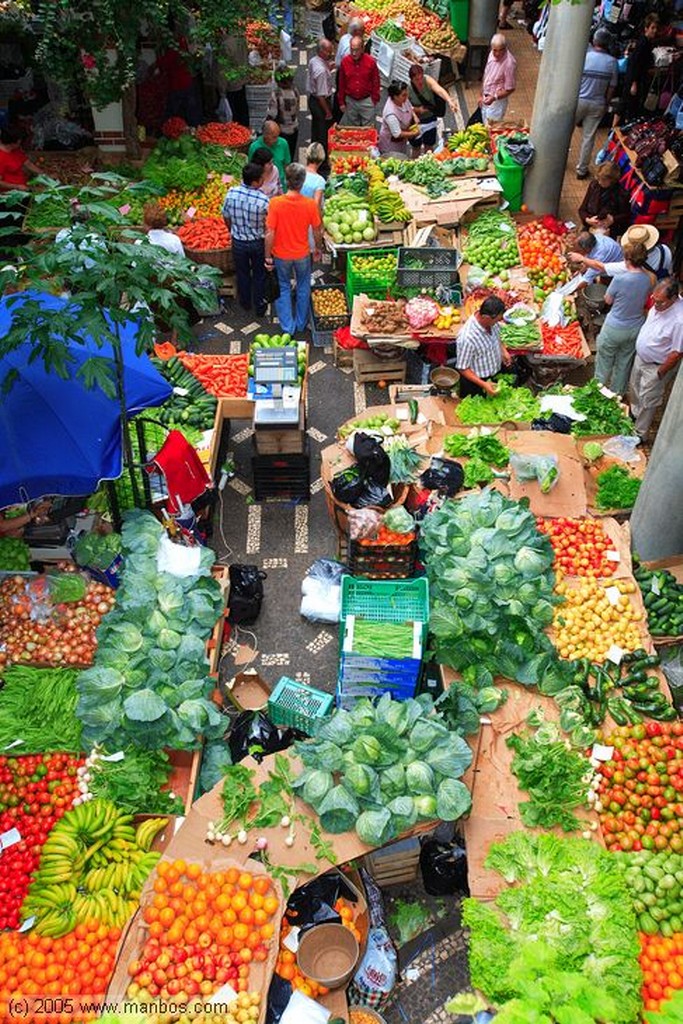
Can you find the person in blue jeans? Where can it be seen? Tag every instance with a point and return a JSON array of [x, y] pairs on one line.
[[287, 248], [244, 211]]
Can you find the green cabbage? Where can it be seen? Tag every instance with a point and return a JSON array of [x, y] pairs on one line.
[[338, 810], [393, 781], [361, 780], [403, 811], [367, 749], [425, 806], [375, 828], [451, 758], [338, 728], [419, 778], [452, 800], [314, 785], [425, 733]]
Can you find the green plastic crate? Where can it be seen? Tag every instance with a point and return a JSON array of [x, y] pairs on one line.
[[295, 706], [386, 601], [360, 281]]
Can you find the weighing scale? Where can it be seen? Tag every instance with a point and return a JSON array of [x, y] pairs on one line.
[[277, 370]]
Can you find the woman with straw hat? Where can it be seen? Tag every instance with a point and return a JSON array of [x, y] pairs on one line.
[[659, 258], [606, 205]]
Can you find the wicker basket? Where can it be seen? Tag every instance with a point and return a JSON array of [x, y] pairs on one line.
[[222, 259]]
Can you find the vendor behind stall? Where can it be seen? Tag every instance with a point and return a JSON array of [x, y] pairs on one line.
[[429, 100], [15, 169], [399, 122], [14, 526], [479, 351], [606, 205]]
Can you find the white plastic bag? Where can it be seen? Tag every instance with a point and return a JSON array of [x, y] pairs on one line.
[[302, 1010], [224, 110], [285, 46], [376, 975], [178, 559]]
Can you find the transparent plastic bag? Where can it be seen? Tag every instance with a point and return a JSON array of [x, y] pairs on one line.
[[622, 448], [552, 311], [543, 468], [363, 522], [321, 591]]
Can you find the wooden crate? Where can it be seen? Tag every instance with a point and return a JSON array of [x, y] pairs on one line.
[[282, 441], [368, 368], [343, 357], [228, 286], [397, 863], [185, 765]]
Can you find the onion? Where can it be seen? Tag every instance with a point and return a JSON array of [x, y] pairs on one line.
[[242, 836], [261, 843]]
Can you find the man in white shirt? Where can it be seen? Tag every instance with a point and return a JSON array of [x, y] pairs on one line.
[[319, 87], [659, 349], [356, 27]]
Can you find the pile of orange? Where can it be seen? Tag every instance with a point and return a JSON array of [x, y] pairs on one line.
[[661, 960], [68, 973], [205, 928], [540, 249]]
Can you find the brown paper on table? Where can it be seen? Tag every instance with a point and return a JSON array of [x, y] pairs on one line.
[[568, 496], [591, 472], [189, 844]]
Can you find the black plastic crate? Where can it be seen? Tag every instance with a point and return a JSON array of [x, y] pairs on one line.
[[382, 561], [438, 267], [329, 323], [282, 476]]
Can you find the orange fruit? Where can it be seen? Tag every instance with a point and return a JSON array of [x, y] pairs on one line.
[[245, 880], [270, 905]]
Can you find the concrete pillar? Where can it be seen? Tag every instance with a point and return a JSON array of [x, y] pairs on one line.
[[483, 19], [557, 90], [657, 518]]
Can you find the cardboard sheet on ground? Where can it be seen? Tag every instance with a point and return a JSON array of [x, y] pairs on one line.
[[591, 473], [568, 496]]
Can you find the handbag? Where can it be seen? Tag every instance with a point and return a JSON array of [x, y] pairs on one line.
[[652, 99], [272, 288]]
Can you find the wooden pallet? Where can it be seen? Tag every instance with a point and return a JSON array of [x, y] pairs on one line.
[[368, 368], [398, 862]]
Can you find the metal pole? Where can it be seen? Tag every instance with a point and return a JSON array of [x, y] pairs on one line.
[[657, 518], [557, 90]]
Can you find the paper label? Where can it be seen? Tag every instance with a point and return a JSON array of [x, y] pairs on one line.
[[190, 211], [291, 941], [27, 924], [615, 654], [124, 209], [178, 824], [14, 743], [613, 595], [182, 392], [226, 994], [118, 756], [655, 587], [226, 178], [9, 838], [607, 393], [612, 556], [602, 753]]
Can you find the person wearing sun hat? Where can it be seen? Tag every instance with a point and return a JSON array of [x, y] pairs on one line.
[[606, 205], [658, 261]]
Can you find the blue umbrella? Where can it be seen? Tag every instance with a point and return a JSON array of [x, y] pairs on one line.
[[56, 435]]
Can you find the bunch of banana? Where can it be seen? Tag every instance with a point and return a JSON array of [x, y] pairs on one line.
[[473, 139], [448, 317], [374, 172], [93, 866], [388, 205]]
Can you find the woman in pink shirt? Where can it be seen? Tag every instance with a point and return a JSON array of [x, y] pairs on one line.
[[499, 80], [399, 122]]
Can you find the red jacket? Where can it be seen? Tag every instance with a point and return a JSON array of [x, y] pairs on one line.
[[358, 79]]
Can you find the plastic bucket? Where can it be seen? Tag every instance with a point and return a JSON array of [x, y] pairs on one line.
[[459, 11], [510, 174], [328, 953]]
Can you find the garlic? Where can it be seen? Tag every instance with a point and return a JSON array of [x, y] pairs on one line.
[[289, 840], [593, 826], [242, 837], [210, 836], [226, 840], [285, 821]]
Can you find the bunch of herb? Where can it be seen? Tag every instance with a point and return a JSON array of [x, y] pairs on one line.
[[555, 777], [509, 403], [616, 488], [486, 447], [603, 415], [135, 783]]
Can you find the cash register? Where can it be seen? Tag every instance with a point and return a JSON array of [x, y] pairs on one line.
[[276, 388]]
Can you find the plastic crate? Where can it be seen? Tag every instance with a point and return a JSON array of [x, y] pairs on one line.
[[296, 706], [321, 339], [402, 44], [440, 267], [344, 140], [359, 280], [386, 601], [286, 476], [329, 323], [382, 561]]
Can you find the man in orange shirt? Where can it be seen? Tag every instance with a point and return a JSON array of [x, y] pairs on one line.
[[287, 248]]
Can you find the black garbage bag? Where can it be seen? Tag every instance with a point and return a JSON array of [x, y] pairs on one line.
[[443, 475], [253, 734], [313, 903], [555, 422], [246, 594], [279, 994], [521, 370], [348, 485], [444, 868], [375, 464]]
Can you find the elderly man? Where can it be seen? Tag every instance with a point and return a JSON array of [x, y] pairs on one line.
[[244, 212], [358, 86], [499, 81], [287, 248], [271, 140], [599, 249], [356, 29], [479, 351], [320, 88], [598, 82], [659, 349]]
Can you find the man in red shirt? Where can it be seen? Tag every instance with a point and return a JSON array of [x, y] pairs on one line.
[[358, 86]]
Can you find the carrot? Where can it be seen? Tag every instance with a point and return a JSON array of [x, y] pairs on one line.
[[224, 376], [230, 134]]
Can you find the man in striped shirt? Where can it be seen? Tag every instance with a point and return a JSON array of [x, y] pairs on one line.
[[598, 82], [479, 350], [244, 212]]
